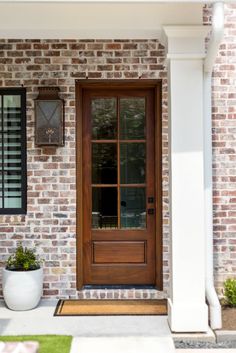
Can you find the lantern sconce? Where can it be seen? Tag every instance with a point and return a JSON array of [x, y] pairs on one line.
[[49, 117]]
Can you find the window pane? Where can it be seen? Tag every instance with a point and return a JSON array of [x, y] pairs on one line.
[[104, 163], [104, 121], [11, 101], [132, 163], [104, 208], [13, 201], [133, 207], [132, 118]]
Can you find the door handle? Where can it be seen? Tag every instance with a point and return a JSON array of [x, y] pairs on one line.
[[151, 211]]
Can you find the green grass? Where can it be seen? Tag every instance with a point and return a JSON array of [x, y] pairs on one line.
[[47, 343]]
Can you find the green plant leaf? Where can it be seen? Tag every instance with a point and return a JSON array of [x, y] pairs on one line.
[[23, 259], [230, 292]]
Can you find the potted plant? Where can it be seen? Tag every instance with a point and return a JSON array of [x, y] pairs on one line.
[[22, 280]]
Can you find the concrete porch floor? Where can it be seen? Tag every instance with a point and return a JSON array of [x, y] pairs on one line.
[[42, 321], [126, 334], [103, 334]]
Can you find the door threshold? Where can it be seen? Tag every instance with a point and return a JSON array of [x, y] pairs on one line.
[[122, 287]]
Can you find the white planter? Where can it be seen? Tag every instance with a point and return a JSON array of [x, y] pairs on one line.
[[22, 290]]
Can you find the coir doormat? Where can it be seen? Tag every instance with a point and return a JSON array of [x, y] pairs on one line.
[[110, 307]]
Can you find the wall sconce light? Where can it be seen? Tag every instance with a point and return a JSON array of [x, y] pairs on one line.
[[49, 117]]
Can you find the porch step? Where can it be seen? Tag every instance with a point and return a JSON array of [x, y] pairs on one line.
[[122, 344]]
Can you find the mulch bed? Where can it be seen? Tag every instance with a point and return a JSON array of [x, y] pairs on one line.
[[228, 318], [228, 324]]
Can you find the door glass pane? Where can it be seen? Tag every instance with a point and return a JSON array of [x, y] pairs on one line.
[[104, 163], [104, 208], [133, 207], [132, 118], [132, 163], [104, 121]]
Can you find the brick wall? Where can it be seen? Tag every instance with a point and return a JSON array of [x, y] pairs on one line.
[[224, 152], [50, 221]]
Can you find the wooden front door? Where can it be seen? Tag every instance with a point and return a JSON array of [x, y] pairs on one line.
[[118, 185]]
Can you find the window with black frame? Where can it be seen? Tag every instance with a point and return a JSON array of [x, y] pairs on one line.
[[12, 151]]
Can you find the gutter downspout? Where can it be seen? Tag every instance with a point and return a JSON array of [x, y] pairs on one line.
[[216, 38]]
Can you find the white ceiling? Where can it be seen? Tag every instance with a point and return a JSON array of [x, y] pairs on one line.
[[84, 20], [115, 1]]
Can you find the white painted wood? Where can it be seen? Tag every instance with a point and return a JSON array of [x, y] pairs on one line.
[[186, 308], [93, 21], [185, 42], [217, 35]]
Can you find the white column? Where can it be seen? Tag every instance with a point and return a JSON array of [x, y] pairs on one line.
[[187, 310]]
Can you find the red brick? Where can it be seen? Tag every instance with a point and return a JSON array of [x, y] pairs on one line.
[[51, 53], [15, 53], [6, 229], [59, 46], [122, 53], [32, 53], [77, 46], [113, 46], [33, 67], [130, 46], [104, 67], [22, 60]]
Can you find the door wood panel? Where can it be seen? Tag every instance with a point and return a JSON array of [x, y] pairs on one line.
[[121, 239], [119, 252]]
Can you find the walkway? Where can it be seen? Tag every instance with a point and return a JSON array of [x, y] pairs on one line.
[[218, 350]]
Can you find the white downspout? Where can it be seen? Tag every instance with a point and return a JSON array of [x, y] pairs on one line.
[[216, 38]]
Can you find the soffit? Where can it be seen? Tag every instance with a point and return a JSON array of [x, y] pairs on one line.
[[94, 20]]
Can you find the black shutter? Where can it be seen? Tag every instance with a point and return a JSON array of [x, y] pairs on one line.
[[12, 151]]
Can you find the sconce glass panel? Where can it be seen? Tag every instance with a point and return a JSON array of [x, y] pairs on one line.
[[49, 118]]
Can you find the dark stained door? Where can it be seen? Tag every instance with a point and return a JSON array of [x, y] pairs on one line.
[[118, 186]]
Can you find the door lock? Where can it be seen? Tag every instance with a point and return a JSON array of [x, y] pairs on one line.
[[151, 211]]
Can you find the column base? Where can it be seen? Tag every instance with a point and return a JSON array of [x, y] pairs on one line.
[[187, 316]]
